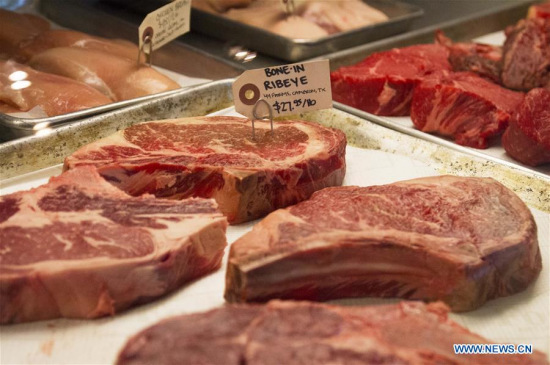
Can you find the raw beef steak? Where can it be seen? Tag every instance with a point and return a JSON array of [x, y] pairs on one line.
[[464, 106], [526, 55], [384, 82], [78, 247], [459, 240], [527, 139], [215, 157], [482, 59], [293, 333]]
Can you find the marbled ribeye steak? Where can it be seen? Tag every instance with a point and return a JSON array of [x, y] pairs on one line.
[[455, 239], [78, 247], [216, 157]]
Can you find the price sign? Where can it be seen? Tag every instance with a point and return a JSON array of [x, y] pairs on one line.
[[165, 24], [288, 89]]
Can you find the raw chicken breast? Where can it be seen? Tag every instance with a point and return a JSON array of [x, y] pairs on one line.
[[341, 15], [116, 77], [17, 30], [69, 38], [311, 19], [269, 15], [22, 88]]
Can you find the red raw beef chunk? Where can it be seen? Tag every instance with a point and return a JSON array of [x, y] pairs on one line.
[[482, 59], [526, 55], [384, 82], [464, 106], [528, 137]]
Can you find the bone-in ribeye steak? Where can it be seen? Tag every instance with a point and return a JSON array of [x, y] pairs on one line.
[[300, 333], [78, 247], [527, 139], [464, 106], [384, 82], [215, 157], [459, 240]]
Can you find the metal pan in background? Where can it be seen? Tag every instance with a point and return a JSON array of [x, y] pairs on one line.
[[400, 16]]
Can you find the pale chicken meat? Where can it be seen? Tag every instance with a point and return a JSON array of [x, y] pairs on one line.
[[118, 78], [55, 38], [341, 15], [17, 30], [22, 89], [295, 26], [310, 19], [269, 15]]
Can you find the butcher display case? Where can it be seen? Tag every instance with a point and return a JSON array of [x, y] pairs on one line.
[[378, 151]]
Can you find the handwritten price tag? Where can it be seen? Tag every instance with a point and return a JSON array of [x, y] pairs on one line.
[[288, 89], [165, 24]]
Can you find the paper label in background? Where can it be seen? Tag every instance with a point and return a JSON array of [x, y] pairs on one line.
[[165, 24], [288, 89]]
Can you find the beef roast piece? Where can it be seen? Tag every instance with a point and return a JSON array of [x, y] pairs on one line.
[[464, 106], [527, 139], [215, 157], [383, 83], [482, 59], [539, 11], [459, 240], [526, 55], [78, 247], [299, 333]]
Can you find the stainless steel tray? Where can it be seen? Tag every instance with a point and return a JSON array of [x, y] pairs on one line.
[[375, 155], [400, 16], [12, 127]]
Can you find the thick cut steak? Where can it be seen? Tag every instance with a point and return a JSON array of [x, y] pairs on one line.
[[384, 82], [215, 157], [459, 240], [300, 333], [78, 247], [464, 106], [527, 139], [526, 55]]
